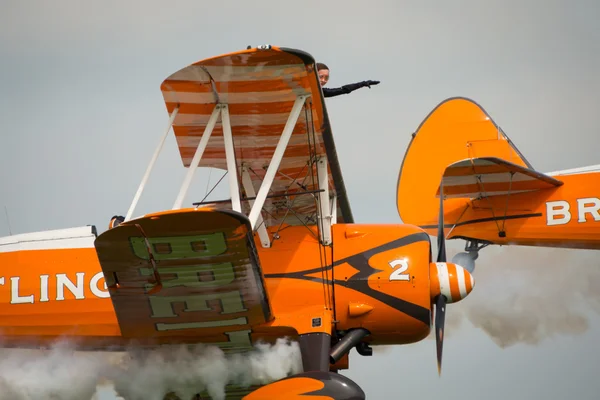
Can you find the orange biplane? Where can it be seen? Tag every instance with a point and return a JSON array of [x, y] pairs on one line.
[[492, 194], [281, 257]]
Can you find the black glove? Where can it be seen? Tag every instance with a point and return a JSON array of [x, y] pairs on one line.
[[369, 83]]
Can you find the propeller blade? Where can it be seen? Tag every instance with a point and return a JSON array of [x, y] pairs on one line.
[[440, 316], [440, 302], [441, 239]]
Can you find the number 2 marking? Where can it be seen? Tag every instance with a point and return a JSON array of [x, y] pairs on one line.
[[398, 274]]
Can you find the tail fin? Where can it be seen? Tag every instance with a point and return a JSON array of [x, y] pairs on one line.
[[457, 129]]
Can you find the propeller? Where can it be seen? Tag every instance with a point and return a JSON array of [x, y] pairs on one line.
[[440, 301], [450, 283]]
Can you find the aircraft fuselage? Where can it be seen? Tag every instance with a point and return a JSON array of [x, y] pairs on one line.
[[380, 277], [567, 216]]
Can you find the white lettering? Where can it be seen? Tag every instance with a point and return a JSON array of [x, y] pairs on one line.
[[398, 274], [589, 205], [16, 298], [44, 287], [554, 208], [103, 294], [63, 281]]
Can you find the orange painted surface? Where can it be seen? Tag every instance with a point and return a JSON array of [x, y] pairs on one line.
[[201, 276], [196, 282], [460, 129], [491, 176], [297, 287], [259, 88], [361, 272], [293, 388], [457, 129], [312, 386], [45, 294], [532, 224]]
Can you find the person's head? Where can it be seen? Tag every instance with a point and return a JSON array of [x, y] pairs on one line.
[[323, 71]]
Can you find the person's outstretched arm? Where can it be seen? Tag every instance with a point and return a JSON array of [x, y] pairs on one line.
[[331, 92]]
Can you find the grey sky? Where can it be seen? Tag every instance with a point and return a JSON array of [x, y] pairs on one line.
[[81, 114]]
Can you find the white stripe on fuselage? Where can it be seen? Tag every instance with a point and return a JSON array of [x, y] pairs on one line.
[[574, 171], [70, 238]]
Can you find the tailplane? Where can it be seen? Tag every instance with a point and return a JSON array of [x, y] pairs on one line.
[[476, 178]]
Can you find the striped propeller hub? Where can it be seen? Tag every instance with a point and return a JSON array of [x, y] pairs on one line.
[[450, 280]]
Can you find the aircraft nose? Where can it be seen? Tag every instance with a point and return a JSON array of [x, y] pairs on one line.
[[451, 280]]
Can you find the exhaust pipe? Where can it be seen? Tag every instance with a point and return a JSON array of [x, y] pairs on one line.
[[351, 339], [364, 349]]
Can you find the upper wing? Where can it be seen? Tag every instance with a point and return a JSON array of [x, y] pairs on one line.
[[490, 176], [259, 87]]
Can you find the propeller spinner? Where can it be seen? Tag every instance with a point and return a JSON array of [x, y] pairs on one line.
[[450, 283]]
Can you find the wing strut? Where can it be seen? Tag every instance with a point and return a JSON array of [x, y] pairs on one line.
[[276, 159], [234, 187], [325, 212], [197, 156], [136, 198], [250, 192]]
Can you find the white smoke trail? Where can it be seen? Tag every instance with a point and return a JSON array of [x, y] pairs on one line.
[[57, 373], [528, 294], [186, 370], [105, 391], [61, 373]]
